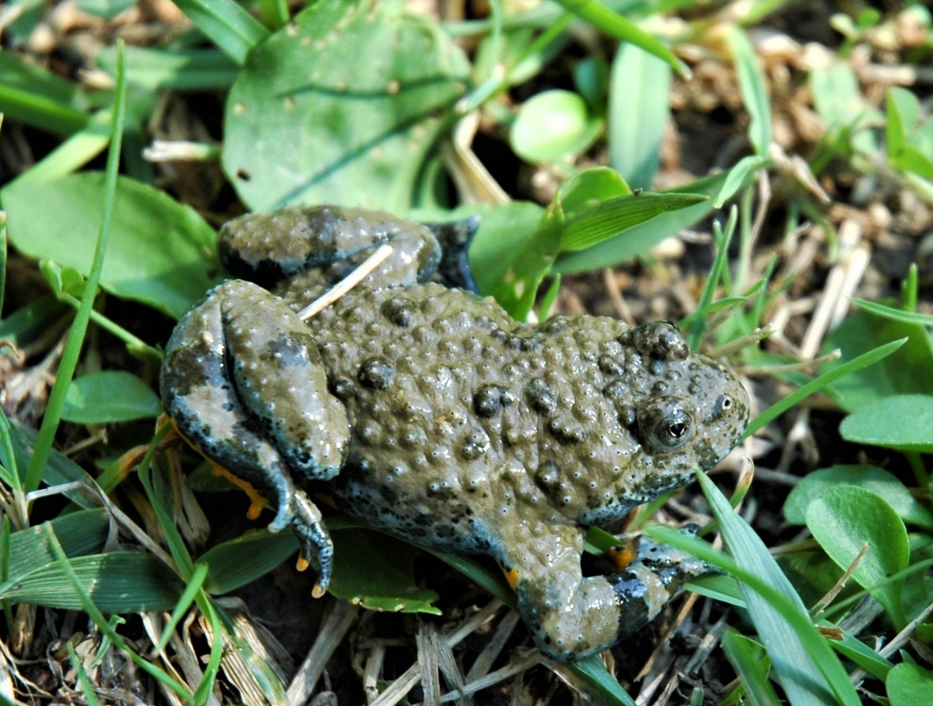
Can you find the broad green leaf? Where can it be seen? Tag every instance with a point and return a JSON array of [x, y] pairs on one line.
[[553, 125], [754, 90], [902, 422], [585, 190], [342, 105], [900, 373], [840, 103], [109, 396], [160, 252], [79, 533], [509, 255], [119, 582], [237, 562], [909, 684], [617, 216], [845, 518], [911, 159], [374, 570], [871, 478], [640, 239], [639, 110]]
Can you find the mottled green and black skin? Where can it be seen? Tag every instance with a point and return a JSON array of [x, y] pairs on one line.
[[430, 413]]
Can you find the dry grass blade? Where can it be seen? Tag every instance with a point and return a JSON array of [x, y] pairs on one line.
[[335, 626]]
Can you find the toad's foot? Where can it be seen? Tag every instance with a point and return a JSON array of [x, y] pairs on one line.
[[244, 383], [571, 616]]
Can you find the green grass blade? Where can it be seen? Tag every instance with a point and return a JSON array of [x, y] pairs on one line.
[[889, 312], [754, 90], [226, 24], [79, 328], [87, 688], [622, 29], [723, 238], [863, 361], [745, 655], [810, 672], [75, 152], [613, 217], [638, 114], [106, 628], [188, 597]]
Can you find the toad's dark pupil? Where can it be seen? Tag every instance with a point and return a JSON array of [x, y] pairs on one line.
[[677, 429]]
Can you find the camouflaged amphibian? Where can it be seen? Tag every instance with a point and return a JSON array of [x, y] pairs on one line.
[[430, 413]]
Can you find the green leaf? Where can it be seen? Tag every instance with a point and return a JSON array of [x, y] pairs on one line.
[[638, 113], [739, 176], [754, 90], [805, 665], [616, 216], [342, 105], [235, 563], [227, 24], [825, 379], [901, 373], [909, 685], [752, 665], [80, 533], [33, 321], [160, 252], [640, 239], [900, 422], [109, 396], [181, 70], [889, 312], [106, 9], [120, 582], [510, 255], [587, 189], [374, 570], [902, 110], [622, 29], [553, 125], [845, 518], [870, 478], [913, 160], [39, 98]]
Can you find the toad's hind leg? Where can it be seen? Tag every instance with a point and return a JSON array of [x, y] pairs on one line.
[[572, 616], [244, 383]]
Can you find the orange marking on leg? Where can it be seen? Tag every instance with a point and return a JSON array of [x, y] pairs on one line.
[[621, 555]]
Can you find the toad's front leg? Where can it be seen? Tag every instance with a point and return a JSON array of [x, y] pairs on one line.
[[243, 382], [572, 616]]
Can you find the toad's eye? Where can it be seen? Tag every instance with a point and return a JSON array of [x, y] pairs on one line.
[[666, 425]]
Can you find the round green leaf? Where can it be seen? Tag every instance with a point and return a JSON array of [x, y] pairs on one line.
[[160, 252], [900, 422], [109, 396], [552, 125], [909, 685], [872, 478], [843, 520], [341, 105]]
